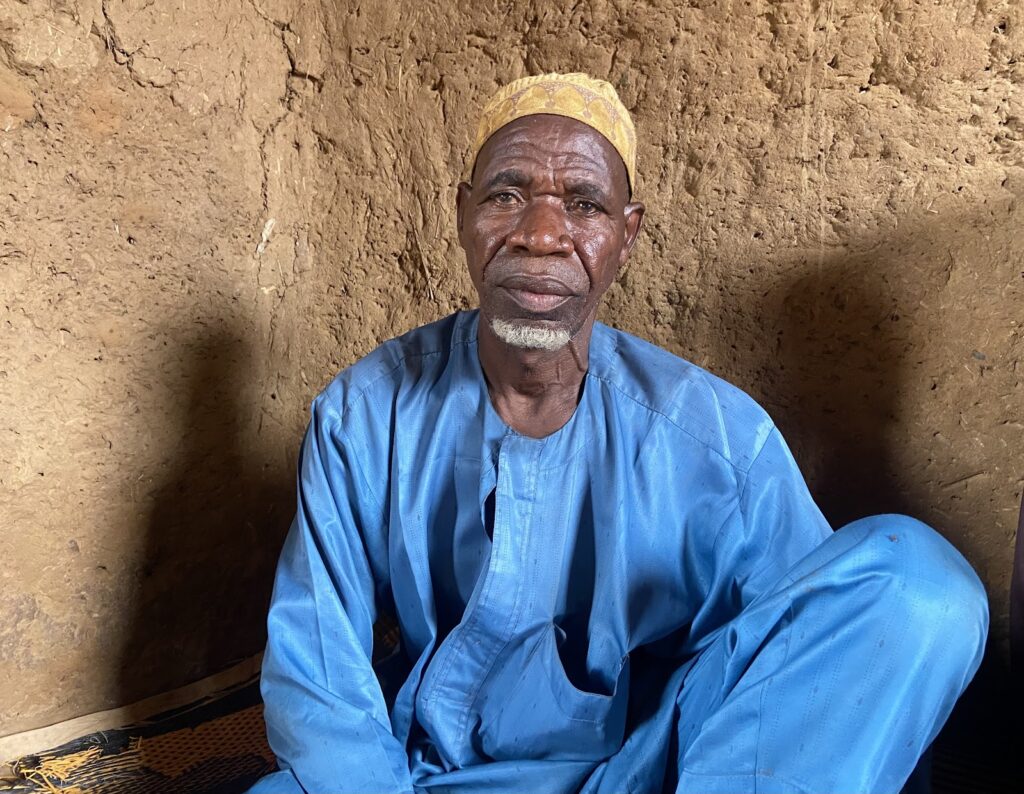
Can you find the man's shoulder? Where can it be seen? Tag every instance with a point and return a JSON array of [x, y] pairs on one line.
[[701, 405], [411, 355]]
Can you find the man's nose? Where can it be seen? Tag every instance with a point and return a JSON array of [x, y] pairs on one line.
[[541, 231]]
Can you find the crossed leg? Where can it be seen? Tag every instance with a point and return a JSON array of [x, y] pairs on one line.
[[833, 682]]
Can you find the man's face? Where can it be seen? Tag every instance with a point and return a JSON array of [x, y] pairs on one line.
[[545, 226]]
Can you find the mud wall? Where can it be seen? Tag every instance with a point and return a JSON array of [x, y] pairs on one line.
[[207, 209]]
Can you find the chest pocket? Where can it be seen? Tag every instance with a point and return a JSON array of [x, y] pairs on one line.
[[536, 712]]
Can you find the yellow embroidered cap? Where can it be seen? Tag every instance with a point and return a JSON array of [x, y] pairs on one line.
[[575, 96]]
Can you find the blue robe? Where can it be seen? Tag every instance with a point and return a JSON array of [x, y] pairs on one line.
[[647, 599]]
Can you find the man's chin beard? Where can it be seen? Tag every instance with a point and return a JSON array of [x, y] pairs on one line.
[[528, 336]]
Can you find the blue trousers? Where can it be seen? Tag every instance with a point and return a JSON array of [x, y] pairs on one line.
[[835, 681]]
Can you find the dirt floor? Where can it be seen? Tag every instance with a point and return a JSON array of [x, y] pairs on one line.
[[208, 209]]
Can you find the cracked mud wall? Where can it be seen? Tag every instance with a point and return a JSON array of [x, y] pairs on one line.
[[206, 210], [146, 460]]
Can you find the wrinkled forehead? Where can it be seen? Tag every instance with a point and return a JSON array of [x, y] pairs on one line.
[[548, 144]]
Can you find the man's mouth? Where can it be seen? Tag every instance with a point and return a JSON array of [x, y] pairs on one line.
[[536, 294]]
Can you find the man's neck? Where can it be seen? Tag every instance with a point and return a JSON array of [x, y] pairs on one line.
[[535, 392]]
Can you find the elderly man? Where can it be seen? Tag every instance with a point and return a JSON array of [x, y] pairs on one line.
[[607, 571]]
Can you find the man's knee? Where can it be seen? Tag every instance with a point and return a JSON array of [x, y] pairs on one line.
[[926, 584]]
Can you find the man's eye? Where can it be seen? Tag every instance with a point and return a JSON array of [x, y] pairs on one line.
[[504, 197], [585, 207]]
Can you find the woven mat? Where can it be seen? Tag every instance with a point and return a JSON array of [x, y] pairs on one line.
[[217, 746], [214, 745]]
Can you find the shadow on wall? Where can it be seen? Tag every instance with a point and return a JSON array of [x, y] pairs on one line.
[[207, 566], [840, 344], [832, 379]]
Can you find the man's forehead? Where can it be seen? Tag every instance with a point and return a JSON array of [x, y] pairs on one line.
[[551, 142]]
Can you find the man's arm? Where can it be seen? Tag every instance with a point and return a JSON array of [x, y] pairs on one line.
[[326, 718], [774, 523], [779, 524]]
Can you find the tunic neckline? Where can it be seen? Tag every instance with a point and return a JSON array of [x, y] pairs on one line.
[[563, 434]]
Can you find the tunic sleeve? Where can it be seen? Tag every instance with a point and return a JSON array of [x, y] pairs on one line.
[[326, 717], [774, 525]]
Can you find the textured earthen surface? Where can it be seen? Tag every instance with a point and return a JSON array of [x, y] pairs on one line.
[[207, 209]]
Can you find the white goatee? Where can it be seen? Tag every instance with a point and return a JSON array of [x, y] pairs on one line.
[[530, 337]]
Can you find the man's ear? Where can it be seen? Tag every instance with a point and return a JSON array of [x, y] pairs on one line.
[[634, 213]]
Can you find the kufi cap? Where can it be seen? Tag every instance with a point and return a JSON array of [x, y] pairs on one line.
[[575, 96]]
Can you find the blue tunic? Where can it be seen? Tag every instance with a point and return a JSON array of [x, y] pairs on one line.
[[552, 594]]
